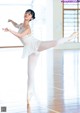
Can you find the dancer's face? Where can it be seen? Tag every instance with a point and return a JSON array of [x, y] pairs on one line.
[[27, 16]]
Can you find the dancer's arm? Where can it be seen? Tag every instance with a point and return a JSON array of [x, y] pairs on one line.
[[14, 23], [19, 35]]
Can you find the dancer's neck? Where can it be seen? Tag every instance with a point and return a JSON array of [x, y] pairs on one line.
[[26, 23]]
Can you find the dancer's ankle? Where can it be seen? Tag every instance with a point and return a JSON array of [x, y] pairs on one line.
[[28, 101], [29, 96]]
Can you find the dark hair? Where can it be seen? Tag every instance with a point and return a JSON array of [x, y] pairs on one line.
[[32, 13]]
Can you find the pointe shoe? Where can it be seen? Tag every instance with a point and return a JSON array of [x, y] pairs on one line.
[[74, 35]]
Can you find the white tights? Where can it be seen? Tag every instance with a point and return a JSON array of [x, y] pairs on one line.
[[50, 44], [32, 61]]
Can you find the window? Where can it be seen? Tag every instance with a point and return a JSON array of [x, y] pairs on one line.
[[71, 19]]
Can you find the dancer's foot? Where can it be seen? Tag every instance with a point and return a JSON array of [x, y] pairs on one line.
[[72, 36], [66, 39]]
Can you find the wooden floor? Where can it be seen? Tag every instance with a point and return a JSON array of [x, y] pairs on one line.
[[62, 91], [63, 87]]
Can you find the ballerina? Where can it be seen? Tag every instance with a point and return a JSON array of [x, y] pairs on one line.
[[33, 46]]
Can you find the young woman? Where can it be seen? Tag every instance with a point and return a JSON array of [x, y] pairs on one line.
[[33, 46]]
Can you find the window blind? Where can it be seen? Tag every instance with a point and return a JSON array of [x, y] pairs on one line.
[[71, 19]]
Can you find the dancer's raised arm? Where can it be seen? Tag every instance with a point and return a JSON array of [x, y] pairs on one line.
[[14, 23]]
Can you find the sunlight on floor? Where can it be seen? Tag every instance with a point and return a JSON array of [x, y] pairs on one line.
[[71, 76]]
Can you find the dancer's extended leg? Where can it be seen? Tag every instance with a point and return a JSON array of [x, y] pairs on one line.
[[49, 44], [32, 61]]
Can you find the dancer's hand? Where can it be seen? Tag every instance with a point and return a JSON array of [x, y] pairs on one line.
[[5, 29], [9, 20]]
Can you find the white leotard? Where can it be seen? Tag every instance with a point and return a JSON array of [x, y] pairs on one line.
[[30, 43]]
